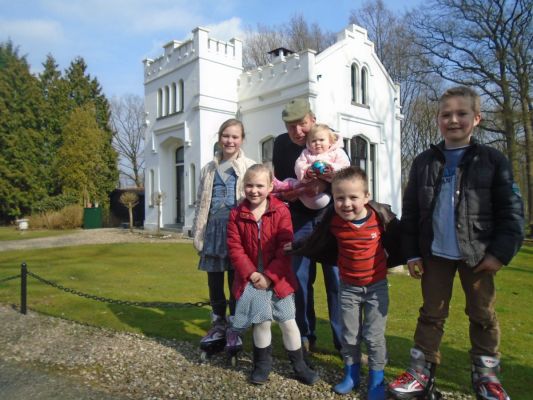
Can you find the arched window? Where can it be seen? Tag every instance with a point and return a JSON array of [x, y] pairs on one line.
[[192, 184], [267, 150], [364, 85], [354, 72], [180, 185], [166, 102], [159, 103], [358, 152], [173, 95], [363, 154], [179, 104]]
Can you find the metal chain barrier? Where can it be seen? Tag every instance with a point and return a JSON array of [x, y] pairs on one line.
[[10, 278], [148, 304]]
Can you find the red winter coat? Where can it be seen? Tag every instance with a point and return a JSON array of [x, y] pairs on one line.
[[243, 246]]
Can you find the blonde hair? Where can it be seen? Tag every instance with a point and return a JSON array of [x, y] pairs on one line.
[[227, 124], [319, 128], [462, 91], [257, 169]]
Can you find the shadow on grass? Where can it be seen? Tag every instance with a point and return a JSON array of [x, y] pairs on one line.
[[185, 323], [527, 249]]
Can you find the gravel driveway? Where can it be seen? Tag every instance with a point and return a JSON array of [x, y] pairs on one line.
[[45, 358], [91, 236]]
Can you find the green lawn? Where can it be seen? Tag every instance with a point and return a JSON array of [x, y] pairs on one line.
[[167, 272], [12, 233]]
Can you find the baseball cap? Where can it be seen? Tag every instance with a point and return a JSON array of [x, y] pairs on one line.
[[295, 110]]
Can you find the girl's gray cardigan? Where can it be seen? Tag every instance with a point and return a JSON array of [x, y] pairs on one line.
[[240, 164]]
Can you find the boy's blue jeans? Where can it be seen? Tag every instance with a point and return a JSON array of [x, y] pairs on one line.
[[305, 271], [364, 318], [437, 285]]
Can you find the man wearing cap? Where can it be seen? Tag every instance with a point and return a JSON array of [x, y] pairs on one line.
[[299, 119]]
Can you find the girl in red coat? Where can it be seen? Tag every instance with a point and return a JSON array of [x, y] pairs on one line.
[[264, 283]]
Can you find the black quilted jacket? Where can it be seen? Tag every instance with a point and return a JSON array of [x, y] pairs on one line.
[[489, 214]]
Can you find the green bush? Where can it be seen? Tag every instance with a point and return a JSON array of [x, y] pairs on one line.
[[54, 203]]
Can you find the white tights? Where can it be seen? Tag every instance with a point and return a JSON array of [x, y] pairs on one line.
[[289, 331]]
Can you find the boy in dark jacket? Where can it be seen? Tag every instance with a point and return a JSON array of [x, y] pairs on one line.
[[353, 235], [463, 213]]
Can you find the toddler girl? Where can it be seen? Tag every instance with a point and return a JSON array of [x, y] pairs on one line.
[[322, 157]]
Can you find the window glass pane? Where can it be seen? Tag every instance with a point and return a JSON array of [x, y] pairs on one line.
[[267, 149], [364, 78], [179, 155], [358, 152]]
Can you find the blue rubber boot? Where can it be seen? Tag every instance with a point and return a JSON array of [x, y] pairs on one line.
[[350, 380], [376, 385]]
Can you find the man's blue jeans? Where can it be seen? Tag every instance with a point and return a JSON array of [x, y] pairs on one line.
[[305, 271]]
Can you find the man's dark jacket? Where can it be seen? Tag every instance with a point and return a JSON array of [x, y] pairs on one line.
[[488, 208], [321, 245]]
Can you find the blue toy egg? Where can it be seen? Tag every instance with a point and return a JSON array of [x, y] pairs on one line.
[[319, 167]]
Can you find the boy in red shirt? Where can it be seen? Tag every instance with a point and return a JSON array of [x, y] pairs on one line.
[[356, 233]]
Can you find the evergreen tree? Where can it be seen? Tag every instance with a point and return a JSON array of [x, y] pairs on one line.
[[82, 90], [55, 115], [82, 162], [22, 180]]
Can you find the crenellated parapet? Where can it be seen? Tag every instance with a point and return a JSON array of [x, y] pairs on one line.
[[201, 46], [284, 71]]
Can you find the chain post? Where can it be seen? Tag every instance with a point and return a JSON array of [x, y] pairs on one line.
[[23, 287]]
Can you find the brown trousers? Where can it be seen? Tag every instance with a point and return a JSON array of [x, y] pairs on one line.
[[437, 285]]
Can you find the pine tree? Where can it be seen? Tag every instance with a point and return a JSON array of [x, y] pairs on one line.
[[84, 90], [22, 180], [55, 115]]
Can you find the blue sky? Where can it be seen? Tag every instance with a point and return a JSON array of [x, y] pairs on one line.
[[114, 36]]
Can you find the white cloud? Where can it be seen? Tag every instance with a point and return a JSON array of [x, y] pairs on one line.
[[133, 16], [225, 30], [28, 30]]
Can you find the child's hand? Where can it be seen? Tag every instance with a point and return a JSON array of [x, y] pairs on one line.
[[263, 282], [489, 264], [310, 174], [416, 268], [287, 247], [328, 173], [255, 277]]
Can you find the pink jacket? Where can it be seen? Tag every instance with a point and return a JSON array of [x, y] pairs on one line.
[[243, 246], [335, 156]]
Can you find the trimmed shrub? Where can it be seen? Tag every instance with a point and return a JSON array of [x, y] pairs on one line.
[[55, 203]]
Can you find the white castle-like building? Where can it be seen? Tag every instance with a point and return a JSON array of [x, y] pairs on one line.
[[199, 83]]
